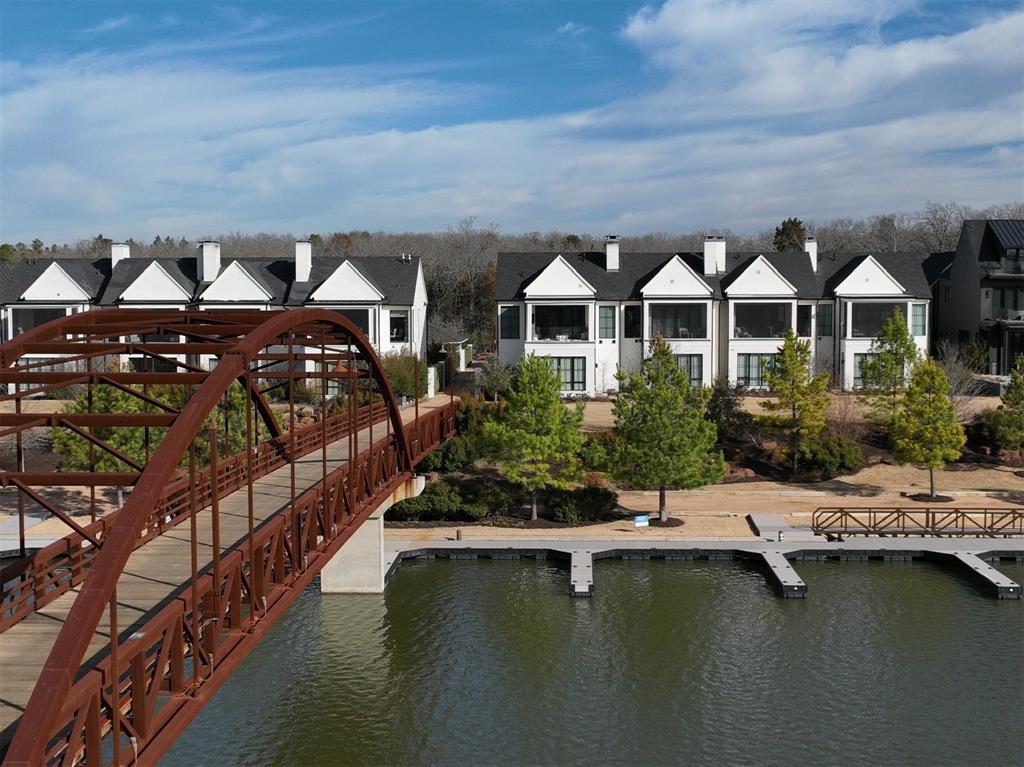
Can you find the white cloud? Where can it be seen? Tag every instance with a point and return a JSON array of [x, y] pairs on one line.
[[109, 25], [572, 29], [750, 115]]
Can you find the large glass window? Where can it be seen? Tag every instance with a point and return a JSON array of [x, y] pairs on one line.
[[509, 322], [399, 332], [571, 371], [632, 322], [679, 320], [868, 319], [803, 320], [693, 364], [26, 318], [858, 371], [752, 369], [762, 320], [560, 323], [825, 319], [918, 325], [359, 317], [606, 322]]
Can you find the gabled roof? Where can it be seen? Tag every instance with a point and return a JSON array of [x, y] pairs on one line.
[[54, 284], [237, 282], [676, 278], [127, 271], [392, 276], [758, 277], [558, 278], [904, 268], [155, 284], [517, 270], [346, 284], [864, 276], [89, 274]]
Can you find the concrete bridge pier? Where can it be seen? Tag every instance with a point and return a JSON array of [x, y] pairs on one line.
[[358, 567]]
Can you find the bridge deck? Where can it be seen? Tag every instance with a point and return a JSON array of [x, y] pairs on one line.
[[157, 571]]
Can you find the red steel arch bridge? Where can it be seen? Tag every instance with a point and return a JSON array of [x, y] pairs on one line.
[[115, 636]]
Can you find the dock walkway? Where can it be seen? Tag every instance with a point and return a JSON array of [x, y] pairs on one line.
[[777, 556]]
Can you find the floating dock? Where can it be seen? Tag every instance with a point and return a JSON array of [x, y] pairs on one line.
[[778, 556], [787, 582]]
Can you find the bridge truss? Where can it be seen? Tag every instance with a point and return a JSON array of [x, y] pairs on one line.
[[128, 703]]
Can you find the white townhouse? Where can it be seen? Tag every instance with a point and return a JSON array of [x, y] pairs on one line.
[[385, 296], [722, 313]]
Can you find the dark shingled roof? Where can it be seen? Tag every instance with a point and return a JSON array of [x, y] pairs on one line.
[[440, 334], [906, 269], [515, 271], [794, 266], [181, 270], [936, 265], [16, 278], [392, 276], [271, 274]]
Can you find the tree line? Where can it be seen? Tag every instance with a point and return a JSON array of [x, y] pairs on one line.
[[459, 261]]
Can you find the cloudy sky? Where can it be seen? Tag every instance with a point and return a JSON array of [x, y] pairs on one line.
[[143, 118]]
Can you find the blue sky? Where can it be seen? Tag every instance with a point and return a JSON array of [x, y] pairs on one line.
[[143, 118]]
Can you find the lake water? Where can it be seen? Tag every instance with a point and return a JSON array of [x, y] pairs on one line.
[[696, 663]]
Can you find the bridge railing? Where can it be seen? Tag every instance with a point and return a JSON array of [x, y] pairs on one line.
[[897, 521], [184, 652], [35, 581]]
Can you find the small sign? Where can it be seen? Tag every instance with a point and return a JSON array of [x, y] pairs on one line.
[[642, 520]]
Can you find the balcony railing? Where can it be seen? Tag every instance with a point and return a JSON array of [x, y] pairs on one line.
[[1003, 314], [1004, 266]]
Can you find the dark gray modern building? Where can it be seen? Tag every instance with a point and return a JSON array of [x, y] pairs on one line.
[[978, 290]]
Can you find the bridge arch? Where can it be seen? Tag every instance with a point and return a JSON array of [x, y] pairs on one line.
[[240, 341]]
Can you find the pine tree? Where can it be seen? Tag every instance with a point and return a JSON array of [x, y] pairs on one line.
[[801, 396], [537, 439], [228, 416], [884, 373], [666, 440], [789, 235], [926, 431], [1013, 397]]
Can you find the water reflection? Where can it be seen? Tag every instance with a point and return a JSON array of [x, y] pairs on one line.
[[486, 662]]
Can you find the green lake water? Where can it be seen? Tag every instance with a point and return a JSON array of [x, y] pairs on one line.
[[690, 663]]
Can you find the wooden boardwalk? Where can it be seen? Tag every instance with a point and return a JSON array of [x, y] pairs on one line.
[[159, 570]]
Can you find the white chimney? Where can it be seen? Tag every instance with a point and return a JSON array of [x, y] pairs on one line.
[[303, 260], [119, 251], [611, 253], [208, 260], [811, 249], [714, 254]]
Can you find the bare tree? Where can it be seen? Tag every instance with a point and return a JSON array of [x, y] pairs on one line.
[[961, 362]]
